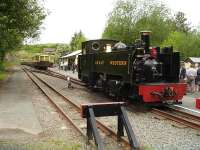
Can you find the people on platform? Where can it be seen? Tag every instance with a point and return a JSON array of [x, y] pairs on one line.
[[197, 79], [73, 67], [191, 74], [182, 75]]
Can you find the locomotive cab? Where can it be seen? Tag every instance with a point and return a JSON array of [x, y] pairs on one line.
[[97, 46]]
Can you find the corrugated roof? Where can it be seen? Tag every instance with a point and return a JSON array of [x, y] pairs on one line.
[[72, 54], [194, 59]]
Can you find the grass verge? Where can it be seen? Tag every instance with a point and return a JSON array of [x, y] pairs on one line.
[[3, 75], [42, 145], [5, 67]]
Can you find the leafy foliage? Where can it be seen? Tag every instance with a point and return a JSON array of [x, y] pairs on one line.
[[19, 19], [180, 23], [188, 44], [38, 48], [129, 17], [76, 40], [157, 22], [27, 51]]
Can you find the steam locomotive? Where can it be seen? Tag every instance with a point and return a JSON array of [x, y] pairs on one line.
[[136, 71]]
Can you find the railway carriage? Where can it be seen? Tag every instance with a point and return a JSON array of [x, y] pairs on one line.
[[137, 71], [42, 61]]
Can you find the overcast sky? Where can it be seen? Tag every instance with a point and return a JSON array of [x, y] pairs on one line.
[[69, 16]]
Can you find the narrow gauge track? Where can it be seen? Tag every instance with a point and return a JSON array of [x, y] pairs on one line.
[[173, 114], [179, 116], [62, 108], [61, 111], [57, 75]]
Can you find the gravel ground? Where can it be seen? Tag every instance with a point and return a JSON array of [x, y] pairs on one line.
[[68, 72], [109, 143], [56, 134], [153, 132], [158, 133]]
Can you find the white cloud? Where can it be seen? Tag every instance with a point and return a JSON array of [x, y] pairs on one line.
[[189, 7], [69, 16]]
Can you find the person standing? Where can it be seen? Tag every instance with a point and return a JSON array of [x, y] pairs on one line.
[[182, 75], [73, 67], [191, 74], [197, 79], [68, 81]]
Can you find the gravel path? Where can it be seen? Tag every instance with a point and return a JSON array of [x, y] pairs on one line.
[[56, 134], [153, 132], [109, 143]]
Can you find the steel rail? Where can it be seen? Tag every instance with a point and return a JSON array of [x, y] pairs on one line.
[[100, 125], [58, 75], [176, 118], [60, 110], [189, 115], [74, 80]]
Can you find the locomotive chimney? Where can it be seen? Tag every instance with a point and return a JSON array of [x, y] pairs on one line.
[[145, 37]]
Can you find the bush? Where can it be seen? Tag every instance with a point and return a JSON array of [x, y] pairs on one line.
[[3, 75], [2, 66]]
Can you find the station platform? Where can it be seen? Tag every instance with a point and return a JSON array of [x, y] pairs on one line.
[[189, 102], [16, 108]]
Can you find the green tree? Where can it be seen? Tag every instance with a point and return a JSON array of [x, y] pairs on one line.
[[77, 40], [188, 44], [61, 50], [19, 20], [120, 22], [157, 21], [180, 23], [131, 16]]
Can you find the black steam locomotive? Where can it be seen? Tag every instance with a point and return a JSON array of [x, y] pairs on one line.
[[136, 71]]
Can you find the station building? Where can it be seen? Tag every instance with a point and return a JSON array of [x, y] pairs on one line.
[[66, 61], [192, 60]]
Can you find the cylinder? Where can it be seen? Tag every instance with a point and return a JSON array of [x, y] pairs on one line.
[[145, 37]]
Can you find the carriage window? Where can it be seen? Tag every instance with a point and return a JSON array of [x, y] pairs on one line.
[[37, 58], [46, 58], [42, 58]]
